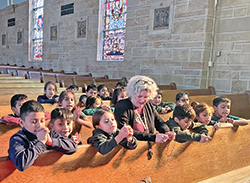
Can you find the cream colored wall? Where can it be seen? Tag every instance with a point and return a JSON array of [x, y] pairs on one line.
[[231, 71], [179, 54]]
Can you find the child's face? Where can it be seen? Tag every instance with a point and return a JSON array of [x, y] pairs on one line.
[[50, 91], [33, 121], [104, 92], [97, 103], [107, 123], [156, 100], [183, 123], [222, 110], [204, 117], [91, 92], [68, 101], [62, 126], [183, 100], [84, 100], [19, 104], [121, 96]]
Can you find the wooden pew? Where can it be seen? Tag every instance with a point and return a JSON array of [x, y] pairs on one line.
[[5, 99], [9, 77], [19, 81], [68, 80], [110, 83], [171, 86], [4, 75], [170, 95], [23, 85], [198, 161], [26, 90]]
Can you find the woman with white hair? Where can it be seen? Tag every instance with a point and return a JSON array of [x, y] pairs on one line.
[[140, 114]]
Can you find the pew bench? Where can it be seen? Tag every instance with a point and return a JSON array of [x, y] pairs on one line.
[[170, 95], [26, 90], [171, 86], [198, 161], [23, 85], [9, 77], [21, 81]]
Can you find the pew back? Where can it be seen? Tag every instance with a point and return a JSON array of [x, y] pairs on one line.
[[198, 161], [170, 95]]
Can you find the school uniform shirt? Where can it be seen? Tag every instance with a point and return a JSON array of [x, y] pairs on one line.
[[45, 99], [24, 147], [215, 119], [105, 142], [197, 127], [182, 135], [90, 112], [125, 114], [159, 107]]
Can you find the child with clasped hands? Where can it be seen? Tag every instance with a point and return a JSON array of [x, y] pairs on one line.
[[35, 138], [222, 117], [106, 136], [181, 125], [62, 123]]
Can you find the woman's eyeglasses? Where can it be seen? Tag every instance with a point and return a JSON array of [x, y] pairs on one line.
[[142, 82]]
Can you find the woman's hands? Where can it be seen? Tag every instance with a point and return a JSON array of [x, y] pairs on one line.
[[161, 138]]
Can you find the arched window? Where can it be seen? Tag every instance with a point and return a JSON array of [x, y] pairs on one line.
[[36, 47], [112, 28]]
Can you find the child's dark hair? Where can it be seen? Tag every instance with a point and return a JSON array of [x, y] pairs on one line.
[[219, 100], [202, 107], [181, 94], [101, 87], [17, 97], [61, 113], [30, 106], [121, 84], [63, 94], [82, 97], [182, 111], [91, 86], [48, 83], [98, 115], [91, 100], [72, 87], [159, 92], [116, 93]]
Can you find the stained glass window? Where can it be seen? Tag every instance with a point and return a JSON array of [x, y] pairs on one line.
[[37, 14], [114, 25]]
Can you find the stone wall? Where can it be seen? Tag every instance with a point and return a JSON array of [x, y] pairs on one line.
[[178, 54], [231, 70]]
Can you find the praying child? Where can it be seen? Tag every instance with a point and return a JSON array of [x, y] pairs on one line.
[[27, 144], [162, 107], [222, 106], [62, 123], [180, 124], [106, 136]]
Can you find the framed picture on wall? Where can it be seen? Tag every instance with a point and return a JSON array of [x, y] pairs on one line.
[[53, 33], [4, 37], [161, 18], [19, 37], [81, 29]]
